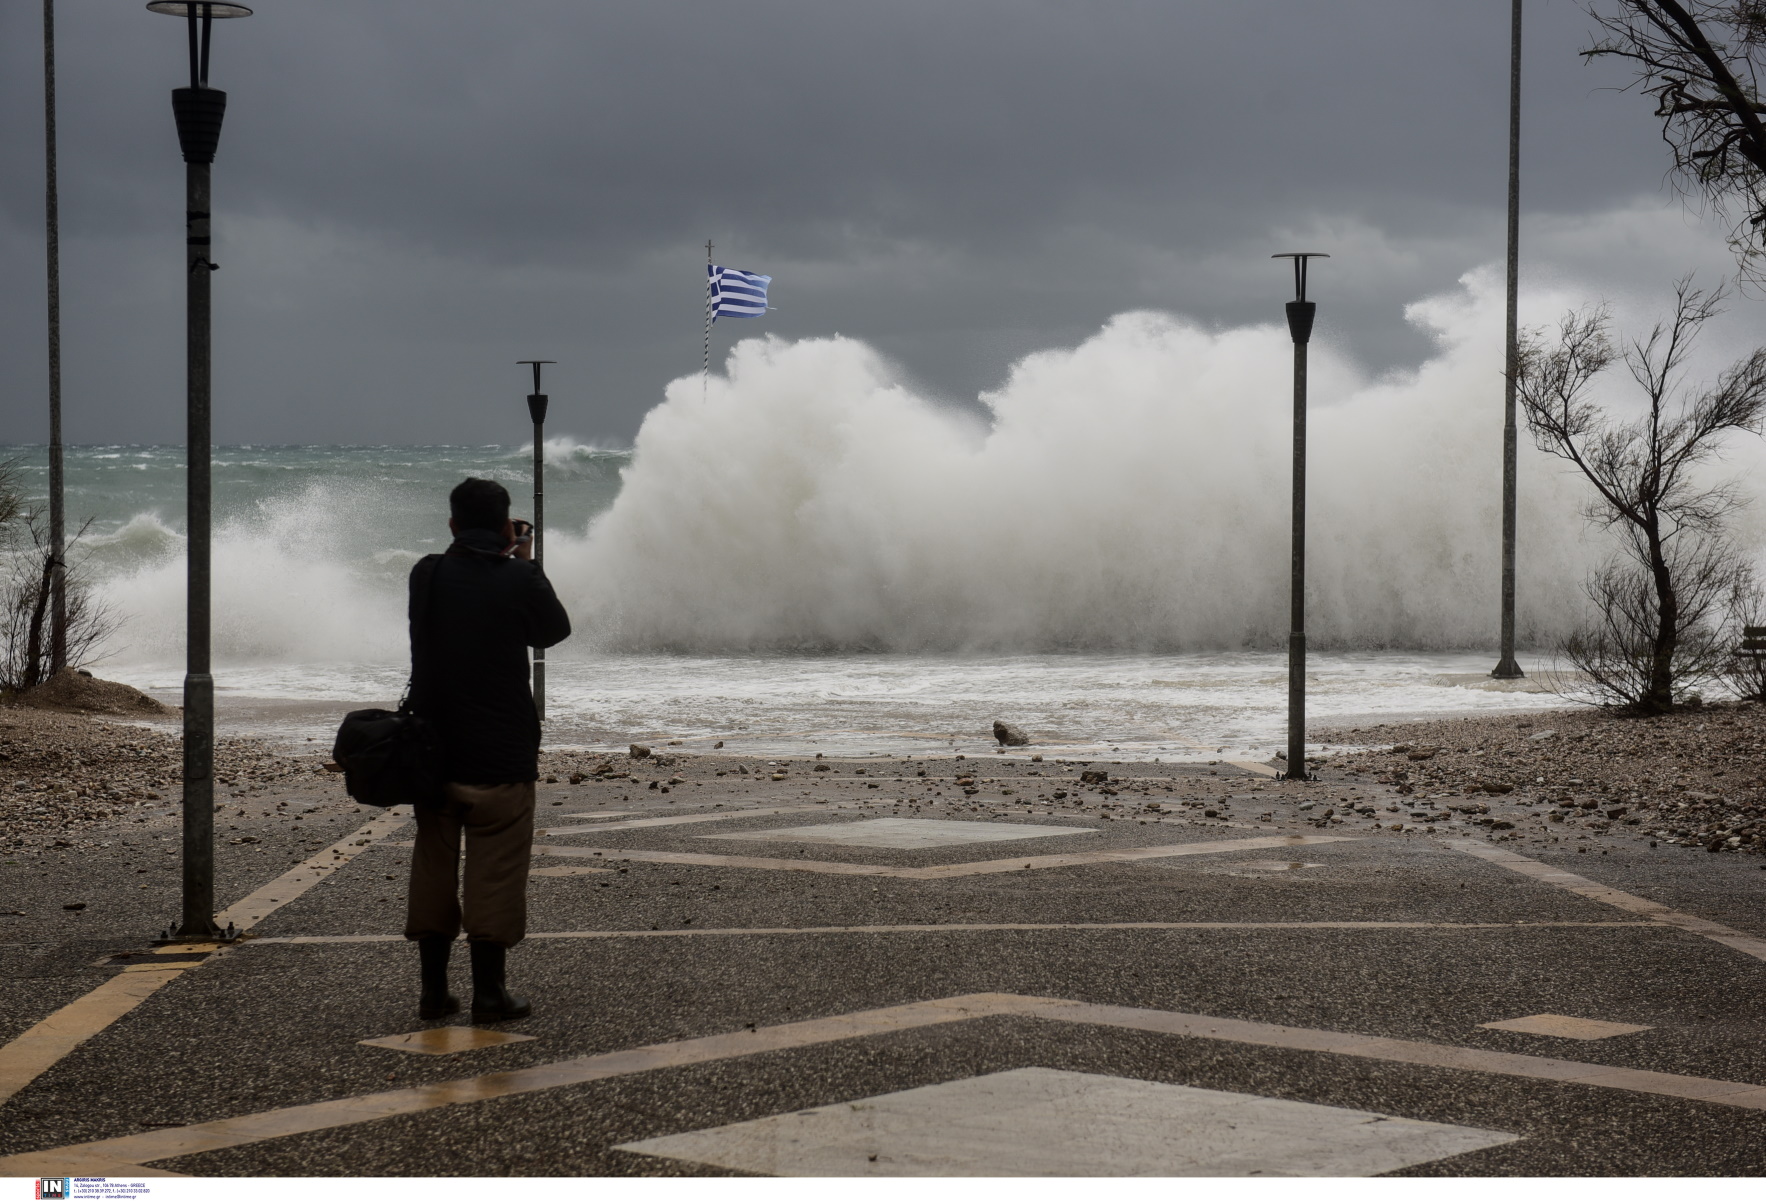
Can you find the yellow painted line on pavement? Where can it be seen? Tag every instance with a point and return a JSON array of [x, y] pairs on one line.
[[254, 907], [156, 1145], [587, 818], [44, 1045], [945, 871], [981, 928], [1582, 886], [101, 1169], [1122, 855], [607, 855]]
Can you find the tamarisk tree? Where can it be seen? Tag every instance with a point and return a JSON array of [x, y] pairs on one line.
[[27, 582], [1701, 60], [1659, 603]]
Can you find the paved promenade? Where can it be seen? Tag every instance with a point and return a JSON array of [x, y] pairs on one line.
[[994, 967]]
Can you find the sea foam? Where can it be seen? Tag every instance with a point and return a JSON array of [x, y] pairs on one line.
[[1128, 493]]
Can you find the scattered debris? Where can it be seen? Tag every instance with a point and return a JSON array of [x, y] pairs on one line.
[[1691, 778], [61, 771]]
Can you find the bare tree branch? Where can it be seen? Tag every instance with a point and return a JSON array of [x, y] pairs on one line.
[[1700, 60], [1660, 605], [24, 592]]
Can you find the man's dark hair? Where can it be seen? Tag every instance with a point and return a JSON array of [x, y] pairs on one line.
[[477, 504]]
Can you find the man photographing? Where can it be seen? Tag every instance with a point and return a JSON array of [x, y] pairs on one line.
[[474, 612]]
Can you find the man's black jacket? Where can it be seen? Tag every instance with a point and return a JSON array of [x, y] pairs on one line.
[[469, 640]]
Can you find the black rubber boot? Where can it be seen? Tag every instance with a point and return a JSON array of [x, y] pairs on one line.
[[432, 958], [491, 1002]]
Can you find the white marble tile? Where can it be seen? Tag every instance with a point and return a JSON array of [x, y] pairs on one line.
[[1043, 1122], [904, 833]]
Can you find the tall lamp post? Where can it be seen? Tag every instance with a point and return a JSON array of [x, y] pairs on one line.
[[52, 248], [198, 110], [1506, 667], [1300, 314], [536, 408]]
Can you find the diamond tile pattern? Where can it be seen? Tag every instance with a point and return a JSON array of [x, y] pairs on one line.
[[446, 1040], [905, 833], [1556, 1025], [1042, 1122]]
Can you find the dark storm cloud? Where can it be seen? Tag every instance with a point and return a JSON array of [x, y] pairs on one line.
[[413, 194]]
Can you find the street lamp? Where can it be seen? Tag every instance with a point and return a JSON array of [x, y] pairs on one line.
[[1506, 667], [198, 110], [536, 408], [52, 255], [1300, 314]]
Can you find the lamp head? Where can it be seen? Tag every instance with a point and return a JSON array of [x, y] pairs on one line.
[[178, 8], [535, 363], [191, 10], [1300, 258]]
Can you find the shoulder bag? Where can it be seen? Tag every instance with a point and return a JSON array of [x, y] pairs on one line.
[[393, 757]]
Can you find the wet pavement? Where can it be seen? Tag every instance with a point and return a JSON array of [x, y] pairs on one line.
[[722, 992]]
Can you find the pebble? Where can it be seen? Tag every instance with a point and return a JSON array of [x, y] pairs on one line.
[[65, 772], [1692, 778]]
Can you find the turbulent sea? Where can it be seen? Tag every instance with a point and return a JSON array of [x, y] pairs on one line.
[[313, 545], [808, 553]]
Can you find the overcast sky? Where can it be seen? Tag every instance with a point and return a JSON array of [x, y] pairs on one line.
[[412, 194]]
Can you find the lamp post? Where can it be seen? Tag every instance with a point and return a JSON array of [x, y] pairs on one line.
[[536, 408], [52, 248], [198, 110], [1506, 667], [1300, 314]]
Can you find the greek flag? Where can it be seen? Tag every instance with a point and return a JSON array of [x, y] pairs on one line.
[[734, 293]]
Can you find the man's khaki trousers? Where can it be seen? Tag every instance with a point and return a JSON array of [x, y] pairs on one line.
[[497, 821]]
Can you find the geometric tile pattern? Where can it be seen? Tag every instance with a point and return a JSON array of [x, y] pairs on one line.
[[904, 833], [446, 1040], [126, 1153], [1043, 1122], [1556, 1025], [1655, 911], [942, 871]]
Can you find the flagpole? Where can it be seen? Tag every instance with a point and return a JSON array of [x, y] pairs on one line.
[[705, 367]]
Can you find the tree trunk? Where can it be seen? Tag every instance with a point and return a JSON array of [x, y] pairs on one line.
[[33, 672], [1660, 697]]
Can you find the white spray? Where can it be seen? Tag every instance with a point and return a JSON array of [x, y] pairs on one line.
[[1132, 492]]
